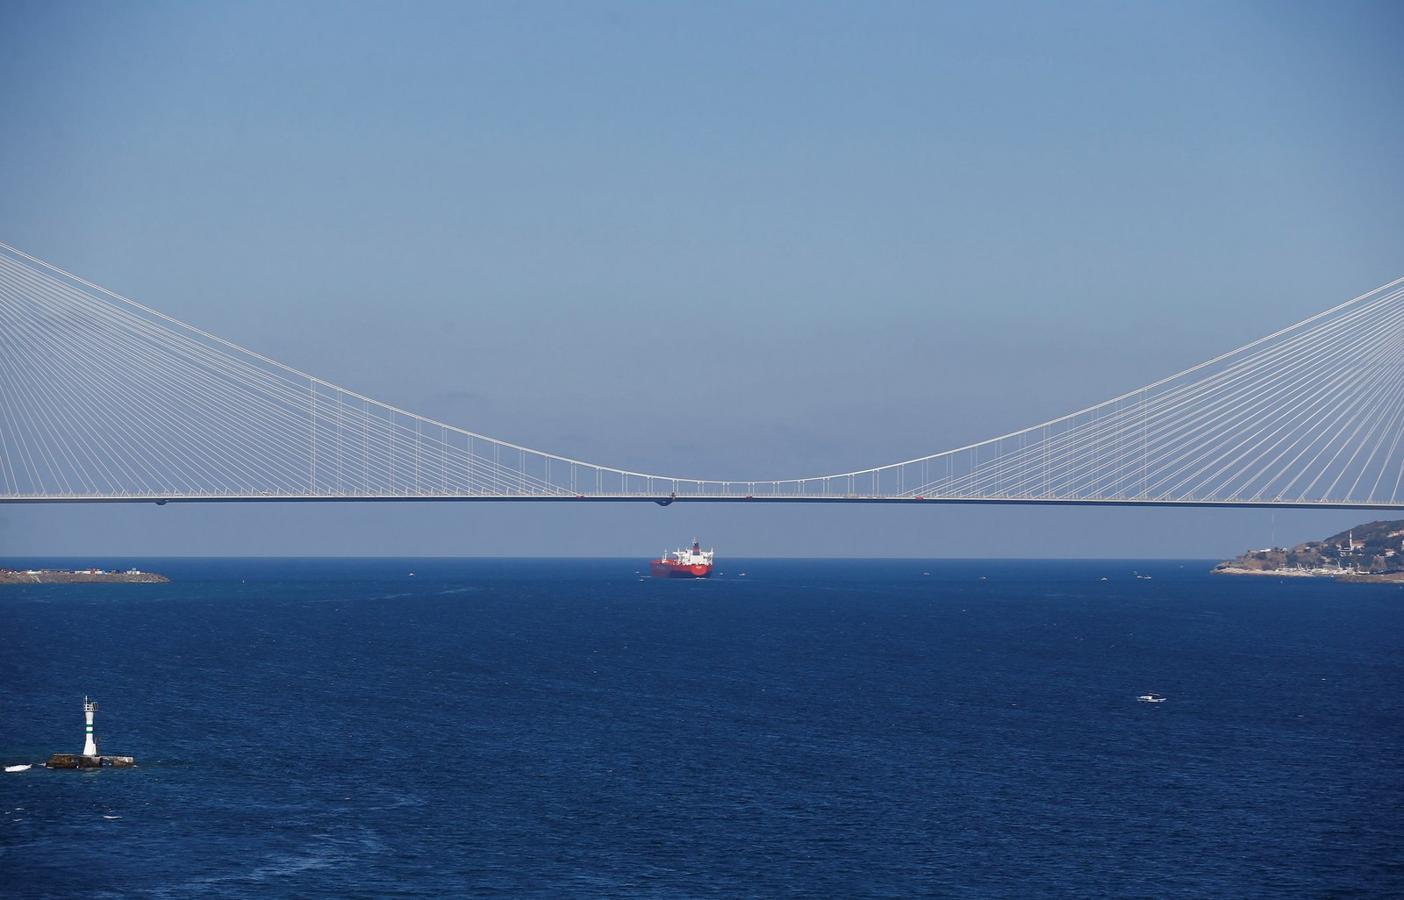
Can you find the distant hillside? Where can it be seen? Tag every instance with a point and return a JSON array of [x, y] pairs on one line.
[[1376, 548]]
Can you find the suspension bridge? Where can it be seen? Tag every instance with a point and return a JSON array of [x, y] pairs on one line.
[[103, 399]]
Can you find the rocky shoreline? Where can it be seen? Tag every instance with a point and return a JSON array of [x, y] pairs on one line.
[[1226, 569], [1355, 577]]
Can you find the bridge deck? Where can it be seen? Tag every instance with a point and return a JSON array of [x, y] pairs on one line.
[[666, 500]]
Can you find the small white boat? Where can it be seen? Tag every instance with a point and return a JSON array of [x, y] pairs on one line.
[[1151, 698], [23, 768]]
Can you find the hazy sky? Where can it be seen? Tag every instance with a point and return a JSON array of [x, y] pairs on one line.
[[733, 240]]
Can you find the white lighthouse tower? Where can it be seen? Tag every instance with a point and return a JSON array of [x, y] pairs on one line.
[[89, 742], [89, 758]]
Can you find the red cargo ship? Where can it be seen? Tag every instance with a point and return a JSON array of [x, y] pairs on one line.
[[694, 563]]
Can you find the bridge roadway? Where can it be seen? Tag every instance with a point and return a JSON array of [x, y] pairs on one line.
[[668, 500]]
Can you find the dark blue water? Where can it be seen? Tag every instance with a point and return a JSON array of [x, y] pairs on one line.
[[828, 729]]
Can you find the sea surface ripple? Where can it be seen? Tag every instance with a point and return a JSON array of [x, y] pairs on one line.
[[821, 728]]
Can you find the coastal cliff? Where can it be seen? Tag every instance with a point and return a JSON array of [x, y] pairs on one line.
[[1369, 552]]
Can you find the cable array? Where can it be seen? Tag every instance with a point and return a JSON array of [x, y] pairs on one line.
[[102, 398]]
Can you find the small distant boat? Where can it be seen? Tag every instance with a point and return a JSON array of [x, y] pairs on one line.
[[1143, 577], [1151, 698], [23, 768], [1105, 578]]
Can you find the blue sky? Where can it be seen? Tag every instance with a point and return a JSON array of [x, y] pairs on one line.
[[736, 240]]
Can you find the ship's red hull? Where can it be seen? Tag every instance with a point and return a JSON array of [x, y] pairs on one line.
[[666, 568]]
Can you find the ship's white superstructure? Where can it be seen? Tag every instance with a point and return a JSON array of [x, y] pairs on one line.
[[691, 556]]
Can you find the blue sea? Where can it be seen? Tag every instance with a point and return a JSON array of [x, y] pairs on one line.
[[408, 728]]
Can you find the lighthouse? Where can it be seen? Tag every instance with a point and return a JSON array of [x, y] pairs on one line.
[[89, 741], [89, 758]]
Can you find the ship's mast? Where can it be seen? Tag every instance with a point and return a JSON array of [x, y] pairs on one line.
[[89, 742]]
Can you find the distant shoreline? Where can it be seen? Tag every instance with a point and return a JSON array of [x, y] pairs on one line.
[[1369, 553], [1280, 573], [1366, 554], [79, 576]]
